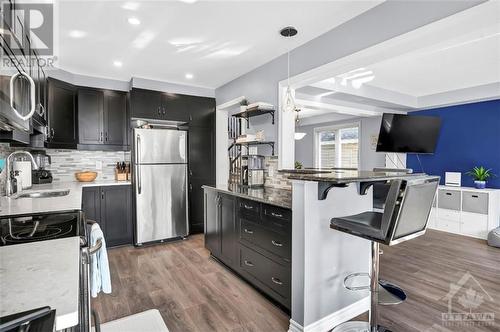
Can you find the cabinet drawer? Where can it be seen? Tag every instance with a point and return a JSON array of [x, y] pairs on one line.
[[248, 207], [273, 275], [276, 243], [475, 202], [277, 218], [449, 199], [449, 215]]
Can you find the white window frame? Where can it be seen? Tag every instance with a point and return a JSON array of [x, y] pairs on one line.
[[337, 129]]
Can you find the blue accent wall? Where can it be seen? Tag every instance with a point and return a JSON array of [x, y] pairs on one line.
[[470, 136]]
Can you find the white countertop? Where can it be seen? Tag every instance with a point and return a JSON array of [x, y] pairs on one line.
[[38, 274], [70, 202]]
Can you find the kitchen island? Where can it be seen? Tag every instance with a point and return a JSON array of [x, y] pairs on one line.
[[249, 231], [323, 257]]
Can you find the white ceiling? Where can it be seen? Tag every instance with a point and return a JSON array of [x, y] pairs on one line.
[[469, 64], [214, 41], [452, 61]]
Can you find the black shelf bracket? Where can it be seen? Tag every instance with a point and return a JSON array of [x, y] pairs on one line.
[[324, 188], [364, 186]]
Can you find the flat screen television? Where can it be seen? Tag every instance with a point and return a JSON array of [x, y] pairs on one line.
[[408, 134]]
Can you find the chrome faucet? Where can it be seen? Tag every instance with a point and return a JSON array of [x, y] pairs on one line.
[[10, 174]]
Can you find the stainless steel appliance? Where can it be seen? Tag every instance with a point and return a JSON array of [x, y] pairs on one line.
[[160, 184], [253, 171], [41, 175]]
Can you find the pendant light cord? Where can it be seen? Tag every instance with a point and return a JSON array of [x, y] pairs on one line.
[[288, 54]]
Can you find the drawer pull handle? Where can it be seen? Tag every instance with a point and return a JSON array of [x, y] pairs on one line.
[[475, 196], [248, 263], [449, 194], [277, 244], [277, 281], [276, 215], [248, 207], [249, 231]]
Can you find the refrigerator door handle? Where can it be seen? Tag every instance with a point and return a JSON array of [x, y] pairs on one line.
[[138, 153]]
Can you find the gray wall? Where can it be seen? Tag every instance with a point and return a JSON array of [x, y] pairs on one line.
[[304, 149], [385, 21]]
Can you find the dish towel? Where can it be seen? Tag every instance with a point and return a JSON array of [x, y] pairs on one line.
[[100, 279]]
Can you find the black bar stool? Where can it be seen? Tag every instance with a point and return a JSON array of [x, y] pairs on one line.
[[407, 208]]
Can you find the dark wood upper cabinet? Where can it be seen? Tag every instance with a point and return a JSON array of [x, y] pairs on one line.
[[115, 117], [90, 116], [176, 106], [146, 104], [102, 118], [62, 115], [201, 111]]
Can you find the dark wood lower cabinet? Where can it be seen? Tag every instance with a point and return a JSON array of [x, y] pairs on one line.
[[110, 206], [253, 239]]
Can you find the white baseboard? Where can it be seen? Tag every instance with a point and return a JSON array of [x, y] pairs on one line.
[[329, 322]]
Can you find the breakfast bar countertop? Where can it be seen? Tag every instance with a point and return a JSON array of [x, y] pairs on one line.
[[344, 176], [12, 205], [268, 195]]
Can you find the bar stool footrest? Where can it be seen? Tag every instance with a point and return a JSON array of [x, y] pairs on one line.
[[358, 326], [390, 294]]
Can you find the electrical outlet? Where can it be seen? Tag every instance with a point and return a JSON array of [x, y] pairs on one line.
[[270, 171], [98, 165]]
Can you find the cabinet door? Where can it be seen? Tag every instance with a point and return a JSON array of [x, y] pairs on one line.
[[91, 203], [201, 152], [202, 111], [175, 107], [62, 115], [146, 104], [116, 214], [90, 116], [196, 206], [212, 227], [115, 117], [228, 229]]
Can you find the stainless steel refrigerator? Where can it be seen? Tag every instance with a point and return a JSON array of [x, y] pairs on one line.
[[160, 184]]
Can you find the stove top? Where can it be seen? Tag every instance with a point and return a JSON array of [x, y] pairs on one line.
[[40, 227]]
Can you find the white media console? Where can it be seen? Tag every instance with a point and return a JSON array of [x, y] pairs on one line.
[[466, 211]]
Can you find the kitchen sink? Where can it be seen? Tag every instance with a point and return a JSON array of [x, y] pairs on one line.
[[43, 194]]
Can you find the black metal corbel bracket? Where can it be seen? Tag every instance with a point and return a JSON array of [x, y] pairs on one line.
[[324, 188]]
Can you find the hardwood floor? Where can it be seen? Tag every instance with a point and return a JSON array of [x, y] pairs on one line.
[[195, 293], [192, 291]]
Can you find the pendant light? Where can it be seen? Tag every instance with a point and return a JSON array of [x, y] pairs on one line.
[[298, 135], [288, 101]]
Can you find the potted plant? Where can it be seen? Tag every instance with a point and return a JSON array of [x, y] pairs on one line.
[[480, 175]]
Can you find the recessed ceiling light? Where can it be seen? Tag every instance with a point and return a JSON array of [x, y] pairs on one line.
[[189, 76], [188, 1], [134, 21], [117, 63], [129, 5], [77, 34]]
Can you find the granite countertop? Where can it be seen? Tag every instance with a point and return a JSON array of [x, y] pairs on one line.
[[70, 202], [272, 196], [348, 176], [44, 273]]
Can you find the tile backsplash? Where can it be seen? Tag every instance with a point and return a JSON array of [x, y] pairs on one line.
[[275, 180], [66, 162]]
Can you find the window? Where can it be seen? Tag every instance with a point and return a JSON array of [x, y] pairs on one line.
[[337, 146]]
